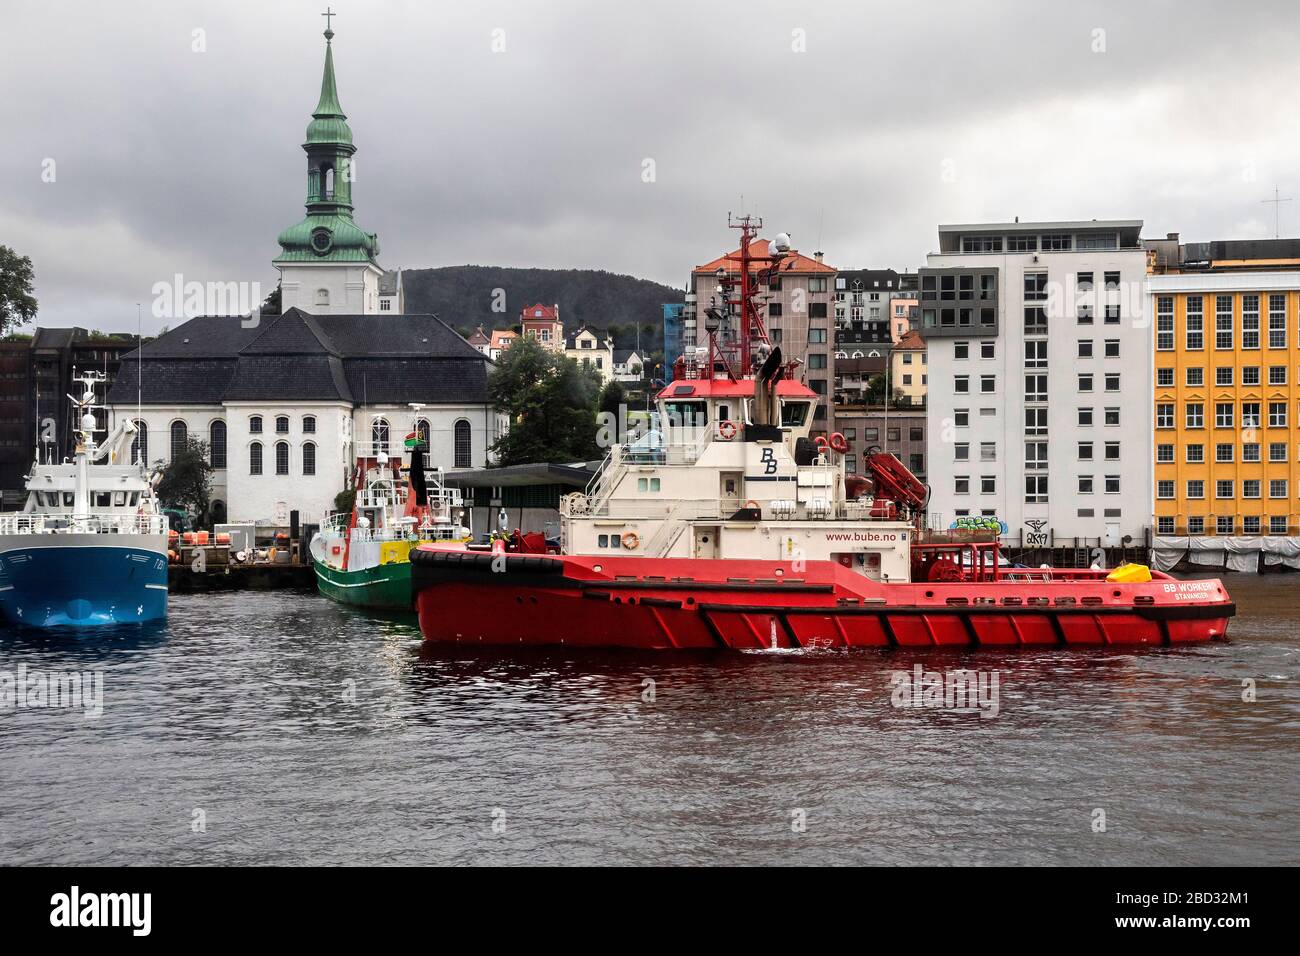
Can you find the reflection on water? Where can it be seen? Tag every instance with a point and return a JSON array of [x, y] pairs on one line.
[[307, 732]]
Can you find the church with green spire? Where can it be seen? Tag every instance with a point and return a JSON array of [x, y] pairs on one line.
[[328, 264]]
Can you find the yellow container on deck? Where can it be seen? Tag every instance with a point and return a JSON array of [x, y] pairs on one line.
[[1130, 574]]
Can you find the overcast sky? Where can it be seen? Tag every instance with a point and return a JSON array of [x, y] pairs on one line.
[[893, 118]]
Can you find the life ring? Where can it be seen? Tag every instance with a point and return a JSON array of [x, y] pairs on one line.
[[839, 444], [630, 540], [821, 442], [752, 505], [726, 430]]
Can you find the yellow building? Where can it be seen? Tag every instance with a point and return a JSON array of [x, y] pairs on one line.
[[908, 371], [1227, 400]]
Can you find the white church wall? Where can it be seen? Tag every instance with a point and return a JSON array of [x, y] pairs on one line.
[[269, 497], [484, 428], [158, 419]]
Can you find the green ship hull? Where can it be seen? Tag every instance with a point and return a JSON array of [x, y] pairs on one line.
[[384, 586]]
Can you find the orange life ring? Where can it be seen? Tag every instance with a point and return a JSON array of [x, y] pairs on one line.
[[820, 441], [752, 505], [630, 540], [839, 444], [726, 430]]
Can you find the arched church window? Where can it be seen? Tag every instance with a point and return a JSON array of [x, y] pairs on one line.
[[327, 177], [309, 458], [379, 435], [423, 432], [464, 448], [217, 443], [282, 458], [179, 436], [255, 458], [322, 296], [255, 424], [140, 446]]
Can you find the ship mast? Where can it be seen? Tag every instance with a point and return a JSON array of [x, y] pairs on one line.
[[735, 327]]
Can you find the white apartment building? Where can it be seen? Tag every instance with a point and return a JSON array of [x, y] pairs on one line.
[[1040, 381]]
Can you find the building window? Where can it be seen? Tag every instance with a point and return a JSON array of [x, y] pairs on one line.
[[961, 484], [1035, 421], [1277, 375], [309, 424], [282, 458], [1110, 416], [1195, 323], [1112, 381], [1085, 484], [1195, 377], [1112, 315], [1223, 322], [282, 424], [1195, 488], [1085, 382], [1196, 525], [1165, 323], [1223, 488], [1035, 353], [1250, 414], [1277, 488], [1277, 414], [1085, 417], [1250, 524], [255, 458], [1036, 388], [961, 384], [1035, 489], [961, 350], [1112, 348], [1276, 451], [140, 444], [1195, 415], [1164, 453], [647, 484], [1084, 315], [1164, 378], [1085, 451], [1035, 455], [322, 296], [379, 436], [1085, 348], [961, 417], [1277, 321], [1250, 321], [1035, 320], [1112, 484], [988, 484], [1035, 286], [309, 458], [1164, 415], [1224, 524], [1164, 525], [385, 304], [1250, 451], [255, 424], [1277, 524], [988, 383], [1195, 454], [1164, 489], [464, 449], [180, 434], [217, 444], [1223, 452], [1223, 414]]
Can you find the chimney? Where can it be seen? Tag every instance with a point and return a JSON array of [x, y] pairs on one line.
[[817, 256], [1171, 236]]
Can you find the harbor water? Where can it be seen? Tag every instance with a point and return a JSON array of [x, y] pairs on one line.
[[280, 728]]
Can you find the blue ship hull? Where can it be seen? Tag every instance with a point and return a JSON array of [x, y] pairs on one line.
[[81, 586]]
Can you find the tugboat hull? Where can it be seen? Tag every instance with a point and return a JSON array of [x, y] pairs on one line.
[[382, 586], [588, 601], [72, 580]]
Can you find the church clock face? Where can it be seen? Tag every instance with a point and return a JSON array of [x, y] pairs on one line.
[[321, 240]]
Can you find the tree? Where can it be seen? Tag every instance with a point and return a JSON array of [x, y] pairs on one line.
[[612, 396], [875, 393], [187, 481], [17, 304], [551, 403]]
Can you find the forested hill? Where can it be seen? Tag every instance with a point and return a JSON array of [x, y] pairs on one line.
[[463, 296]]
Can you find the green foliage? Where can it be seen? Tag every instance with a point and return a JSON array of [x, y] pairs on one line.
[[345, 500], [187, 481], [551, 402], [612, 396], [17, 304]]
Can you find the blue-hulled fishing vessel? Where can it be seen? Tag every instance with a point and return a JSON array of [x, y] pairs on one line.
[[90, 545]]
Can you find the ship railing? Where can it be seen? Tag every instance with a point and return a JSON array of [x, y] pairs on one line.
[[25, 522]]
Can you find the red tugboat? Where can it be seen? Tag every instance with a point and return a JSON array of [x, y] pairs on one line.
[[729, 527]]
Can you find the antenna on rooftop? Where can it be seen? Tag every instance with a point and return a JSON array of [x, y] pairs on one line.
[[1277, 212]]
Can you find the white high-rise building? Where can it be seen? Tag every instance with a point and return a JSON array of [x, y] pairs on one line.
[[1040, 381]]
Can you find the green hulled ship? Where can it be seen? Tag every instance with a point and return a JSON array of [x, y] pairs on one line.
[[362, 556]]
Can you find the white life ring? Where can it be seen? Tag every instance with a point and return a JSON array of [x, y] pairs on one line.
[[727, 430]]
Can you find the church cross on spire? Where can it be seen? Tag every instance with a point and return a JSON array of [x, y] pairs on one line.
[[329, 34]]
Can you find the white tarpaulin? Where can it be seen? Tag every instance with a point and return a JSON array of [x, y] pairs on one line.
[[1243, 554], [1281, 551], [1167, 552], [1206, 552]]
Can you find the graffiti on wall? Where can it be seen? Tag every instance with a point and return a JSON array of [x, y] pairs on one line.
[[1033, 533], [979, 523]]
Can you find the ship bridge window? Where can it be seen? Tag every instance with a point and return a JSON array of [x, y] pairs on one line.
[[67, 499], [794, 414], [119, 499], [686, 414], [103, 499]]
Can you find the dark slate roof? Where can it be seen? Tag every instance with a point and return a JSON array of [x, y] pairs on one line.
[[434, 381], [297, 356], [389, 281]]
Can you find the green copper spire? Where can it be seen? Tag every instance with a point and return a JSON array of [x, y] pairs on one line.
[[328, 233], [329, 123]]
